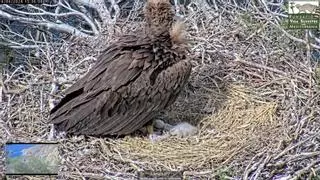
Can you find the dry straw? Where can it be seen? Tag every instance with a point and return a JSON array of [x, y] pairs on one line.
[[245, 125]]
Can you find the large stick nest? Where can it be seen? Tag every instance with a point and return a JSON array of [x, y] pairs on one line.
[[253, 94]]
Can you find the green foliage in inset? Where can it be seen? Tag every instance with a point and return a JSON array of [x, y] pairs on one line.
[[34, 165]]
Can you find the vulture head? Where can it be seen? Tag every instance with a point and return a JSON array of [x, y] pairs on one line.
[[159, 16]]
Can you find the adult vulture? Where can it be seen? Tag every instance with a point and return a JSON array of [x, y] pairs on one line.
[[132, 81]]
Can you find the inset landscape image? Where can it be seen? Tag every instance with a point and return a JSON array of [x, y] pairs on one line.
[[297, 7], [35, 159]]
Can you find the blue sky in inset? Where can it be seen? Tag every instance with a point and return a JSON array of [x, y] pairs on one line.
[[14, 150]]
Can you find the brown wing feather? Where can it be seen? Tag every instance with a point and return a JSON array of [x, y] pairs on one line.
[[116, 97], [126, 117], [131, 82]]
